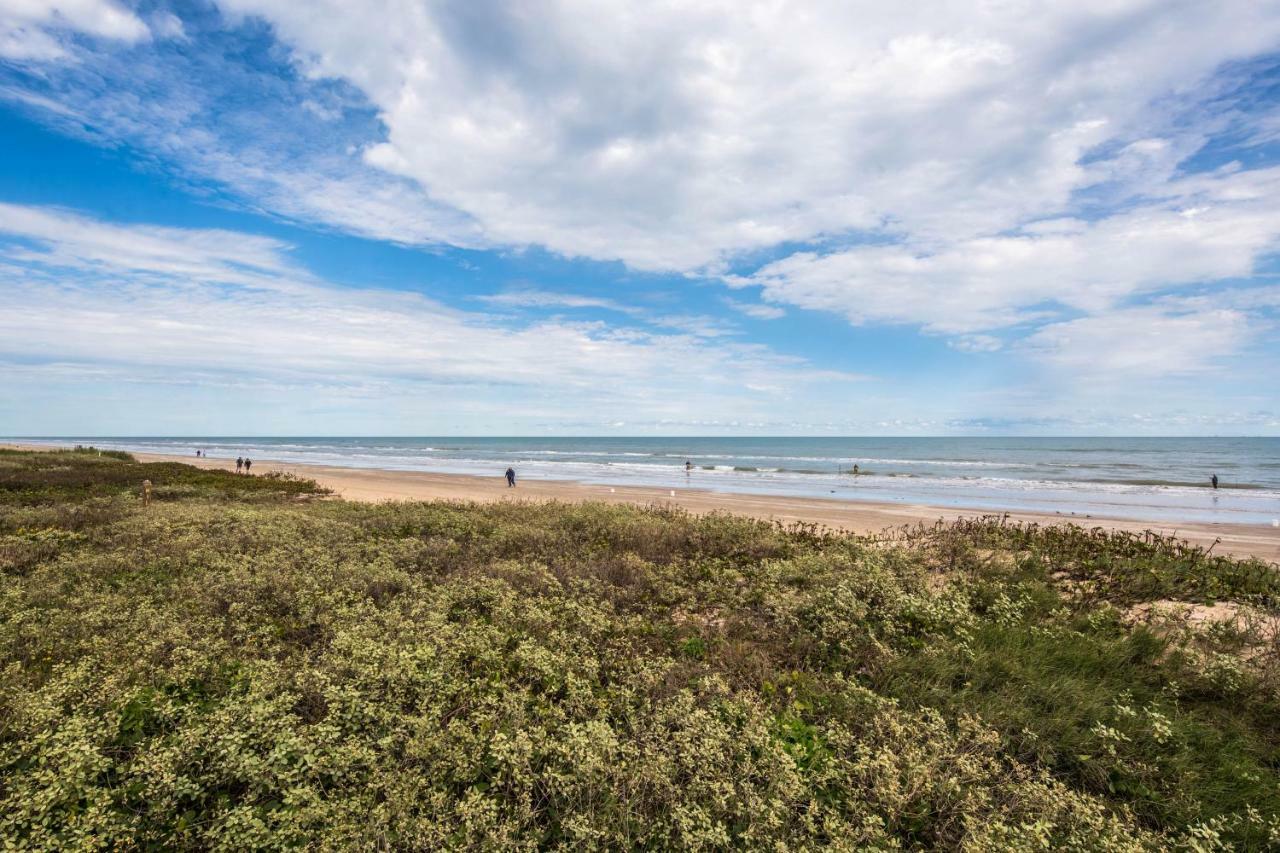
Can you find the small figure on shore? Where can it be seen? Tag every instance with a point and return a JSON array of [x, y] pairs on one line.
[[855, 469], [511, 478], [688, 466], [239, 463], [1214, 480], [247, 463], [197, 454]]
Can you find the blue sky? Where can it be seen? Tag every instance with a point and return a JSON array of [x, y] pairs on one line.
[[266, 217]]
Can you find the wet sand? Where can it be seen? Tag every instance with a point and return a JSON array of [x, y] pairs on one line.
[[368, 484]]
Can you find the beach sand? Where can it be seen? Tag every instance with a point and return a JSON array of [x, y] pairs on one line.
[[368, 484]]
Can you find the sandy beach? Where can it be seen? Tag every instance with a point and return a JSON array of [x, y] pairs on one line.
[[373, 485]]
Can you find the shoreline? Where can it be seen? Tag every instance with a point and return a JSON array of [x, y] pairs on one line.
[[374, 485]]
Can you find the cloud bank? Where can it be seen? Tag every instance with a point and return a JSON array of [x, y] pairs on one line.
[[673, 137], [169, 303], [1079, 193]]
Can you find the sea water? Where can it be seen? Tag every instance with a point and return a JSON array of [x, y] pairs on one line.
[[1145, 478]]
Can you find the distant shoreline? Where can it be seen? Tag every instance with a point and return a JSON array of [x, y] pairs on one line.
[[1165, 480], [376, 485]]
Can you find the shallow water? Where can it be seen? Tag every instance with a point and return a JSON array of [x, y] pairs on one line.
[[1146, 478]]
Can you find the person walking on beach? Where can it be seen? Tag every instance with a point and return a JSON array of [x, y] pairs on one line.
[[511, 478], [1214, 480], [247, 463], [239, 463]]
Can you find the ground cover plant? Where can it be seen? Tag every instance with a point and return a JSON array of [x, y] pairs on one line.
[[247, 664]]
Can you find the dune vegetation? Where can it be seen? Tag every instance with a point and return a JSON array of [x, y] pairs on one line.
[[249, 663]]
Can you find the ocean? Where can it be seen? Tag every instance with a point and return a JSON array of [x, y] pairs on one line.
[[1145, 478]]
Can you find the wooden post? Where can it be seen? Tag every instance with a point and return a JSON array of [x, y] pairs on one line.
[[146, 493]]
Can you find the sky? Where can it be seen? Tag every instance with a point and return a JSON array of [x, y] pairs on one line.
[[407, 217]]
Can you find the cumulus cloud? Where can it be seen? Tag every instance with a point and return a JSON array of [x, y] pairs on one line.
[[965, 169], [673, 137], [681, 137], [1208, 227], [1141, 342]]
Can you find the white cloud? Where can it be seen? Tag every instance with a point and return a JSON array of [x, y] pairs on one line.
[[963, 168], [976, 343], [698, 325], [161, 304], [756, 310], [67, 239], [286, 147], [678, 135], [30, 30], [1141, 342], [1206, 228], [534, 298], [167, 25]]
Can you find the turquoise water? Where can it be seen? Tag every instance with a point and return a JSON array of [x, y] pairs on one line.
[[1146, 478]]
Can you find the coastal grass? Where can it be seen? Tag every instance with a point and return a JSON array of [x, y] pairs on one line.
[[246, 663]]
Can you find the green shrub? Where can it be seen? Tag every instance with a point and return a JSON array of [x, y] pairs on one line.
[[234, 667]]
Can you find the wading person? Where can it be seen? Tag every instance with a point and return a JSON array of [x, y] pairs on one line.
[[511, 478], [1214, 480]]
